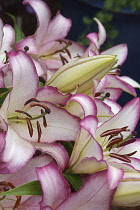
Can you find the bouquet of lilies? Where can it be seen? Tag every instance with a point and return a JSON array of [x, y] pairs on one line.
[[65, 142]]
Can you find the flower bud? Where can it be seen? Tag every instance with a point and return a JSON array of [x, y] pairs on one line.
[[74, 74]]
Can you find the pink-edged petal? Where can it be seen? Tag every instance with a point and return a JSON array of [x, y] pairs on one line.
[[89, 165], [8, 38], [115, 93], [1, 32], [60, 125], [114, 176], [93, 37], [93, 195], [116, 82], [130, 81], [24, 87], [128, 191], [40, 66], [54, 185], [55, 150], [87, 103], [120, 50], [43, 17], [127, 116], [58, 28], [104, 111], [16, 153], [28, 41], [53, 95], [102, 32], [90, 123], [115, 107], [23, 176]]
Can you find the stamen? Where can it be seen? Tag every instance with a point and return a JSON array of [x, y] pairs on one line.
[[114, 141], [130, 141], [31, 100], [68, 52], [23, 113], [130, 154], [6, 188], [17, 202], [30, 127], [97, 94], [114, 131], [7, 57], [44, 119], [26, 48], [47, 110], [63, 59], [39, 130], [107, 95], [120, 157]]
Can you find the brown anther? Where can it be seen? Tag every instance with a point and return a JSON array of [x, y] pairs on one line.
[[68, 52], [30, 127], [7, 57], [17, 202], [61, 41], [97, 94], [6, 188], [44, 119], [130, 154], [47, 110], [23, 113], [26, 48], [115, 131], [114, 141], [130, 141], [31, 100], [63, 59], [120, 157], [39, 130]]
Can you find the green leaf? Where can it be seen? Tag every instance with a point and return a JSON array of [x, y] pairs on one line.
[[18, 33], [30, 188], [74, 180], [3, 93]]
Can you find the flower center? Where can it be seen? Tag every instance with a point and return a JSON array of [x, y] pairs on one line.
[[25, 117], [119, 141]]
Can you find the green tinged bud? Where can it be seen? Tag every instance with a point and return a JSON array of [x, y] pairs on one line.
[[74, 74]]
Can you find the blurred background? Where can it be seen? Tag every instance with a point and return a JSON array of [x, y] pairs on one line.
[[120, 18]]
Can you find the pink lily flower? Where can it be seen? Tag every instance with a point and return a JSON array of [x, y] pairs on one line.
[[94, 194], [23, 176], [6, 41], [47, 46], [28, 118], [112, 149]]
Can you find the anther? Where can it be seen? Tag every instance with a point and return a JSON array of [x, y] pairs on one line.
[[31, 100], [63, 59], [120, 157], [130, 141], [107, 94], [47, 110], [6, 188], [39, 130], [7, 57], [26, 48], [97, 94], [44, 119], [114, 141], [30, 127], [23, 113], [114, 131]]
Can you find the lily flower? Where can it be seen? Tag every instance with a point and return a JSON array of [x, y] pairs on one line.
[[23, 176], [7, 38], [109, 146], [47, 46], [93, 194], [27, 119]]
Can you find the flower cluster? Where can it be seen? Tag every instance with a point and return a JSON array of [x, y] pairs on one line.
[[65, 142]]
